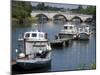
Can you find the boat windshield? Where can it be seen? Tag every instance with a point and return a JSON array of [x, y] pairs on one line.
[[65, 27], [71, 27], [27, 35], [68, 27], [34, 34]]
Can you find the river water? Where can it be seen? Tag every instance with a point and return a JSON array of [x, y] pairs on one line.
[[77, 55]]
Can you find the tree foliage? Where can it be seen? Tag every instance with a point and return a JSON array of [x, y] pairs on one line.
[[21, 14], [43, 7], [88, 10], [21, 9]]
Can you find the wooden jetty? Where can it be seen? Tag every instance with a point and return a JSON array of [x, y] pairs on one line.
[[60, 42]]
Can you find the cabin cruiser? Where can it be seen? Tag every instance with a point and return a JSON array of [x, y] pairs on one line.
[[83, 32], [36, 50], [69, 31]]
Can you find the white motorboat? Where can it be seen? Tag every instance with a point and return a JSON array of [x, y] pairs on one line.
[[84, 32], [36, 50], [69, 31]]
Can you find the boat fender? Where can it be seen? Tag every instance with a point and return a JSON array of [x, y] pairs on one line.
[[49, 47], [16, 50], [21, 55], [40, 51]]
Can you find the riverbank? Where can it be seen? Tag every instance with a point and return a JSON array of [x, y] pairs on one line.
[[23, 22]]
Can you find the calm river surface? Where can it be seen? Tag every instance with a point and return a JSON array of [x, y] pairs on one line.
[[79, 54]]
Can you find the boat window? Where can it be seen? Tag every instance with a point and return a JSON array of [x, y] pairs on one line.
[[85, 30], [34, 35], [80, 29], [27, 35], [40, 35], [65, 27], [70, 27]]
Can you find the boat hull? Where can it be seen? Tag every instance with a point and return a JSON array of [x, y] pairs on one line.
[[83, 36], [35, 62], [33, 65]]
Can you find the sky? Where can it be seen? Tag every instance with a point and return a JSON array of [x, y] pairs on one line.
[[66, 6]]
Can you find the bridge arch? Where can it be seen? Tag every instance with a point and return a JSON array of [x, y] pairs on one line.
[[60, 17], [88, 20], [77, 18], [42, 18]]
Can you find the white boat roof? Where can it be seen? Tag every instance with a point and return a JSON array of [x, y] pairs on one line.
[[34, 35]]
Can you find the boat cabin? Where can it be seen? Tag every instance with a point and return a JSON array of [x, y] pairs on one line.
[[35, 41], [36, 35], [84, 29], [69, 27]]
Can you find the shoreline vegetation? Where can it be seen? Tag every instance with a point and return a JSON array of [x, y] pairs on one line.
[[21, 10], [21, 14]]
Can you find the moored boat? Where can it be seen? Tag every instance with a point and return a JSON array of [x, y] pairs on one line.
[[84, 32], [69, 31], [36, 50]]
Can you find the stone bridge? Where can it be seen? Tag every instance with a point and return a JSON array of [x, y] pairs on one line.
[[51, 15]]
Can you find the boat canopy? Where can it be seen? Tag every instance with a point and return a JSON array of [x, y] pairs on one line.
[[34, 34]]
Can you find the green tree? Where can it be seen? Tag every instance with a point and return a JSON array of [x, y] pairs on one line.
[[21, 14], [88, 10], [21, 9], [41, 6], [80, 7]]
